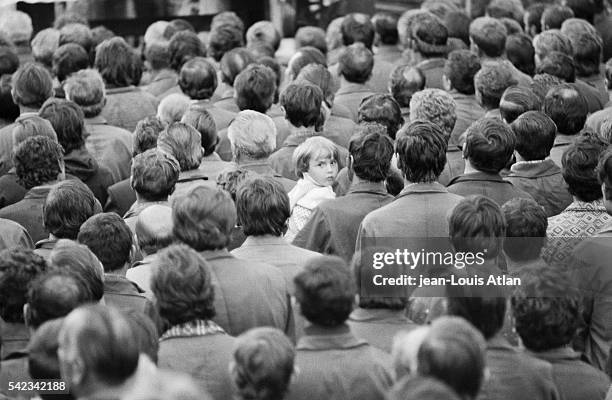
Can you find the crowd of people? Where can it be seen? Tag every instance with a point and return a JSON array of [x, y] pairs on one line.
[[190, 218]]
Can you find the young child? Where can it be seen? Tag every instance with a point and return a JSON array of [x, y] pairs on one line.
[[316, 163]]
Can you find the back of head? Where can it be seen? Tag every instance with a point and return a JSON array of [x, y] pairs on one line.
[[533, 18], [319, 75], [587, 51], [526, 225], [520, 52], [184, 143], [458, 25], [158, 56], [489, 34], [17, 25], [146, 333], [146, 133], [516, 101], [234, 62], [404, 82], [203, 122], [567, 108], [371, 151], [440, 8], [109, 238], [356, 63], [430, 36], [357, 28], [302, 104], [584, 9], [482, 310], [263, 364], [421, 151], [230, 180], [489, 144], [406, 23], [383, 109], [436, 106], [303, 57], [535, 135], [182, 285], [198, 79], [477, 225], [86, 89], [460, 69], [405, 349], [560, 65], [491, 82], [37, 160], [454, 352], [333, 34], [68, 59], [9, 111], [42, 351], [44, 45], [385, 26], [227, 18], [77, 34], [68, 122], [311, 36], [154, 35], [203, 218], [421, 388], [255, 88], [579, 163], [154, 228], [554, 15], [252, 135], [172, 108], [552, 40], [222, 39], [32, 85], [263, 207], [68, 204], [31, 126], [66, 18], [115, 62], [154, 175], [263, 32], [184, 46], [9, 62], [325, 291]]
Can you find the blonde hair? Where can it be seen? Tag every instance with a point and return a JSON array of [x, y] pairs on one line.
[[311, 148]]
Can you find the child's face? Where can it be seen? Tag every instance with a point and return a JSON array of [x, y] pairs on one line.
[[323, 169]]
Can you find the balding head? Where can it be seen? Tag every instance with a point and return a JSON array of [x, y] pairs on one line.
[[154, 228]]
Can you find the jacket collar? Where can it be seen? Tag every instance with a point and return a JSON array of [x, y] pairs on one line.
[[299, 136], [351, 87], [319, 338], [368, 187], [379, 315], [165, 74], [546, 167], [38, 192], [97, 120], [120, 284], [139, 205], [583, 206], [264, 240], [479, 176], [216, 254], [261, 167], [558, 354], [428, 63], [414, 188], [563, 140], [193, 175]]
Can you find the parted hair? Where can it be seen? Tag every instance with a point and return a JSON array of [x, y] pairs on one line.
[[109, 238], [421, 151], [371, 149], [154, 175], [535, 135], [37, 160], [460, 68], [526, 225], [198, 78], [489, 144], [68, 204], [183, 142], [263, 207], [86, 89], [182, 285]]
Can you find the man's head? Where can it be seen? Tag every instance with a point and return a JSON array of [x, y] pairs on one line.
[[488, 37], [68, 59], [404, 82], [421, 388], [491, 82], [110, 239], [17, 25], [42, 352], [68, 122], [31, 126], [520, 52], [255, 88], [548, 41], [430, 37], [44, 45], [356, 63], [38, 160], [567, 107], [203, 122], [532, 19], [154, 228], [222, 39], [526, 225], [76, 33], [115, 60], [311, 36], [68, 204], [486, 313], [263, 207], [325, 291], [157, 56], [587, 51], [489, 145], [263, 32], [421, 151], [184, 143], [204, 218], [86, 89], [184, 46], [154, 175], [357, 28], [516, 101], [172, 107], [535, 135], [9, 62], [97, 350], [460, 68], [436, 106], [303, 57], [382, 109], [18, 268], [560, 65], [371, 151], [198, 79], [579, 163], [554, 15], [234, 62], [182, 285], [320, 76], [477, 225], [302, 103], [32, 85], [585, 9], [252, 135], [146, 134]]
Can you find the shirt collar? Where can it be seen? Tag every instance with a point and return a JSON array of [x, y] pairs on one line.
[[478, 176], [320, 338], [544, 167], [38, 192], [198, 327]]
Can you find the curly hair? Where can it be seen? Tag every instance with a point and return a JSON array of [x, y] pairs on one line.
[[436, 106], [230, 180], [182, 285], [18, 267], [37, 160], [383, 109], [579, 164]]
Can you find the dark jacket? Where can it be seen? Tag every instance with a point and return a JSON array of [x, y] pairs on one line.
[[562, 142], [110, 146], [468, 111], [29, 212], [486, 184], [81, 164], [121, 293], [121, 196], [15, 337]]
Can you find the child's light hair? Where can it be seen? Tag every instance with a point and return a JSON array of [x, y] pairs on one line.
[[312, 148]]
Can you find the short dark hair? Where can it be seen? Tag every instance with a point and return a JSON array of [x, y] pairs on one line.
[[146, 133], [431, 37], [68, 204], [485, 312], [547, 312], [302, 103], [145, 331], [204, 218], [67, 120], [8, 61], [587, 54], [489, 144], [554, 15], [115, 61], [477, 225], [404, 82], [385, 26], [109, 238], [357, 28], [18, 268], [54, 294], [584, 9], [460, 68], [491, 81], [234, 62], [567, 107], [154, 175], [311, 36], [157, 55], [356, 63], [521, 53], [263, 207], [222, 39], [489, 34], [69, 58], [516, 101], [558, 64], [182, 285], [325, 291], [43, 362], [227, 18], [203, 122], [372, 151], [458, 25], [184, 46], [8, 109], [75, 258], [303, 57], [454, 352], [535, 135], [383, 109], [552, 40], [76, 33], [32, 85], [526, 225], [542, 83], [421, 149], [37, 160], [198, 78], [579, 163], [533, 15], [255, 88]]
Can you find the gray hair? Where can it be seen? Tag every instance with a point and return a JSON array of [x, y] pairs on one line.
[[252, 134], [86, 89]]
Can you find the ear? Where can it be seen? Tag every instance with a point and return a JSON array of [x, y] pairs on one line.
[[464, 151], [26, 314], [446, 83]]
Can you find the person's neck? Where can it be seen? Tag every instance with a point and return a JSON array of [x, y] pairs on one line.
[[469, 168], [25, 109], [485, 58], [301, 130]]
